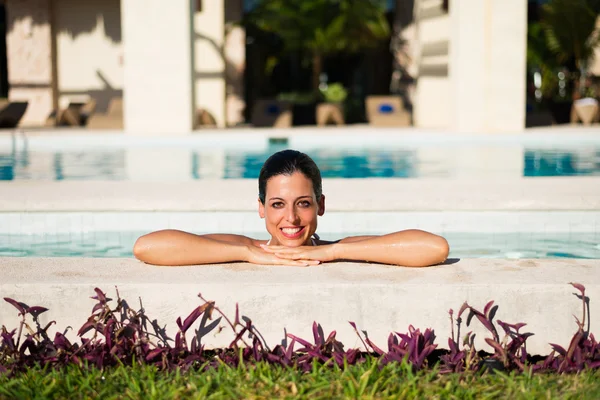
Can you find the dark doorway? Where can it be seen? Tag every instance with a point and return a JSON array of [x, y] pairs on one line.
[[3, 58]]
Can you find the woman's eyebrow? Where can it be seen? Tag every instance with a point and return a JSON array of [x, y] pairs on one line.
[[298, 198]]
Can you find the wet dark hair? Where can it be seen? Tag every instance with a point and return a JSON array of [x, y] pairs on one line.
[[286, 162]]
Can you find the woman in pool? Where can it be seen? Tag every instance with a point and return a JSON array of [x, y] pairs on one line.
[[290, 201]]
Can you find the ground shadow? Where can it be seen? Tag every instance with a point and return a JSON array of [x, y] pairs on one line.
[[102, 96], [450, 261]]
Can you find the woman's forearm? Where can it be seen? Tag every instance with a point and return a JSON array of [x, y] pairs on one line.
[[410, 248], [172, 247]]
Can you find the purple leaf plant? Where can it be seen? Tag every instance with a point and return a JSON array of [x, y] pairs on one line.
[[117, 334]]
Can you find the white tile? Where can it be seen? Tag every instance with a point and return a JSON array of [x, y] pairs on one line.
[[334, 222]]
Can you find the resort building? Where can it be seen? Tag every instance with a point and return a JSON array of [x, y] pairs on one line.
[[175, 65]]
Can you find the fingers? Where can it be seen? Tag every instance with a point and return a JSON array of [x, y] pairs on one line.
[[282, 249], [292, 256], [299, 263]]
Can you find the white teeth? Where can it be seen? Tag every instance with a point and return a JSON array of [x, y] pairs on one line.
[[291, 231]]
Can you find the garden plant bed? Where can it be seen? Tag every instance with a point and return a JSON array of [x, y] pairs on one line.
[[115, 334]]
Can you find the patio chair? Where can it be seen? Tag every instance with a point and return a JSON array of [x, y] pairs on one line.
[[205, 118], [11, 113], [330, 113], [387, 111], [112, 119], [273, 113], [585, 110], [87, 110], [75, 114]]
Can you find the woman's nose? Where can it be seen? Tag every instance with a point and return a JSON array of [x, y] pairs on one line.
[[291, 215]]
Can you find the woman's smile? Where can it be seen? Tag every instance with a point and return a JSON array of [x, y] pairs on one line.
[[292, 232]]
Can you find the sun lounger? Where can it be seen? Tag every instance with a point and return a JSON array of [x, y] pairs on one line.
[[112, 119], [75, 114], [387, 111], [11, 113], [87, 110], [274, 113], [328, 113], [204, 118]]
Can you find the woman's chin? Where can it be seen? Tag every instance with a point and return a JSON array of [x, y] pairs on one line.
[[292, 242]]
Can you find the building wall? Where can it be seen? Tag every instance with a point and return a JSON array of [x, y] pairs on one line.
[[595, 67], [471, 65], [234, 49], [432, 93], [29, 53], [89, 50], [209, 59]]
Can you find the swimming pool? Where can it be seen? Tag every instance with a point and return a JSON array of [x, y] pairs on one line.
[[385, 156], [471, 234], [463, 245]]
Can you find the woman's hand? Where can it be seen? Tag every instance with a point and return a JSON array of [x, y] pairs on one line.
[[303, 253], [258, 255]]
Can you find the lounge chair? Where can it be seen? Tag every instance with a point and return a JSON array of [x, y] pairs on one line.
[[387, 111], [330, 113], [205, 118], [11, 113], [585, 110], [86, 111], [274, 113], [75, 114], [112, 119]]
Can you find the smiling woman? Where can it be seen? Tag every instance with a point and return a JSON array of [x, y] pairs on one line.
[[290, 201]]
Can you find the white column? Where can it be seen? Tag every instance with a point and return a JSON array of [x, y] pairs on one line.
[[488, 45], [210, 59], [158, 83]]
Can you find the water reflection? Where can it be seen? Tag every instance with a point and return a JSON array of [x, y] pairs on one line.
[[562, 163], [194, 164], [333, 164], [517, 245], [79, 165]]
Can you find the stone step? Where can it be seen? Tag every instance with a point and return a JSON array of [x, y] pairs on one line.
[[378, 298]]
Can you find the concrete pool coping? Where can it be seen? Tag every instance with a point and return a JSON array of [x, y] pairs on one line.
[[420, 194], [378, 298], [301, 138]]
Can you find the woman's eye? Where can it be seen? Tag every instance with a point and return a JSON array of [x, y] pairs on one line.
[[277, 205], [305, 203]]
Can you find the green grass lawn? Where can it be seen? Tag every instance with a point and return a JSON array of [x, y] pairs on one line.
[[265, 382]]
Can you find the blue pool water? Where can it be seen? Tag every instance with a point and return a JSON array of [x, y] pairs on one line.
[[384, 162], [463, 245]]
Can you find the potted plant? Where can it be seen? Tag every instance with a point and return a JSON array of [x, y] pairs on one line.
[[332, 109]]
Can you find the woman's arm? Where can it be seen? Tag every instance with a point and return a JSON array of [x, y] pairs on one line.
[[410, 248], [173, 247]]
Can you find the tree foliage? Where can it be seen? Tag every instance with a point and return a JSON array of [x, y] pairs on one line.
[[569, 27], [318, 28]]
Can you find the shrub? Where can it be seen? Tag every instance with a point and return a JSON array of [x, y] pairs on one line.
[[121, 335]]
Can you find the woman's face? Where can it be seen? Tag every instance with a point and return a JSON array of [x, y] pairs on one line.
[[291, 209]]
